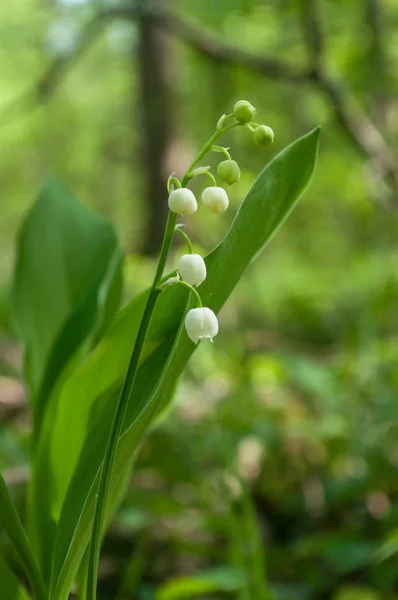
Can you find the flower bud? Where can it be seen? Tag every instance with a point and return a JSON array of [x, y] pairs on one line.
[[228, 171], [201, 324], [216, 199], [263, 135], [244, 111], [183, 201], [192, 269]]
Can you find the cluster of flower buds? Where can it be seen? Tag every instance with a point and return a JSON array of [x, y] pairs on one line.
[[245, 113], [201, 323]]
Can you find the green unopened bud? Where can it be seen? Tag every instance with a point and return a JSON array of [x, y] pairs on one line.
[[263, 135], [244, 111], [229, 171]]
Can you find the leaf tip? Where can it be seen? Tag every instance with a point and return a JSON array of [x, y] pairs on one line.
[[316, 134]]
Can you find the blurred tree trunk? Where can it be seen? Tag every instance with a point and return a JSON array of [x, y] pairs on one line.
[[156, 72]]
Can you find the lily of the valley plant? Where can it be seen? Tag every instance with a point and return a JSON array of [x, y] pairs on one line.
[[200, 322], [98, 377]]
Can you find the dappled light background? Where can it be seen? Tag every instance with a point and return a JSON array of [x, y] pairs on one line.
[[282, 440]]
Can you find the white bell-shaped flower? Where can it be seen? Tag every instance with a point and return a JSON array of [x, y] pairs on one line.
[[201, 324], [216, 199], [183, 201], [192, 269]]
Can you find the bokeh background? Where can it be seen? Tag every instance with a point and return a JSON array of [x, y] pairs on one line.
[[279, 459]]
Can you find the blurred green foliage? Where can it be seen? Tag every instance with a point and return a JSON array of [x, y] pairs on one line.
[[297, 398]]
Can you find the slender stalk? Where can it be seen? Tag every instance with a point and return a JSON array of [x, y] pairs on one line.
[[192, 290], [121, 407], [186, 238], [222, 150], [211, 177], [206, 149], [171, 182], [120, 412]]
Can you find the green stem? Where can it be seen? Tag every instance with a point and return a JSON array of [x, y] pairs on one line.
[[206, 149], [186, 238], [121, 407], [222, 150], [231, 126], [211, 177], [223, 119], [173, 181], [117, 423], [191, 289]]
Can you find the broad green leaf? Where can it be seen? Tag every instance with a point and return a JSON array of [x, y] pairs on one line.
[[9, 586], [91, 392], [110, 295], [11, 523], [208, 582], [64, 252]]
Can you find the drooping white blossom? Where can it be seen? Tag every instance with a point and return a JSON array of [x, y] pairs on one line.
[[183, 201], [216, 199], [201, 324], [192, 269]]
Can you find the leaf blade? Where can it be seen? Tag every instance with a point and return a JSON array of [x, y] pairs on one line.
[[12, 525], [9, 586], [53, 307]]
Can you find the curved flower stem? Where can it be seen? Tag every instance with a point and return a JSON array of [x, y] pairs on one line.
[[222, 150], [222, 120], [171, 182], [191, 289], [207, 148], [121, 407], [211, 177], [186, 238], [231, 126]]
